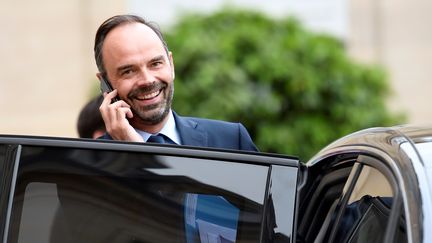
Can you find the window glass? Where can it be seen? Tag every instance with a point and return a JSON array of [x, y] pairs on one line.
[[44, 198], [370, 182], [280, 204], [78, 195], [365, 218]]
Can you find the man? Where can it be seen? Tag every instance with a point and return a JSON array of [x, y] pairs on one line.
[[134, 59]]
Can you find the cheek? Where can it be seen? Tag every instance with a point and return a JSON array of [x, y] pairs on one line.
[[169, 75], [172, 74], [123, 89]]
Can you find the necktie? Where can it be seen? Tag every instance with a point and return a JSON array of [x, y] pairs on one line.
[[160, 138]]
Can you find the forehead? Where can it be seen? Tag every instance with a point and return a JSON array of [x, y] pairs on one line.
[[132, 29], [130, 39]]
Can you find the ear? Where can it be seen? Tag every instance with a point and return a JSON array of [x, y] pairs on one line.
[[99, 76], [172, 64]]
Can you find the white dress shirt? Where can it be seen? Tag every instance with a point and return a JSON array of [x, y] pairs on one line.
[[169, 130]]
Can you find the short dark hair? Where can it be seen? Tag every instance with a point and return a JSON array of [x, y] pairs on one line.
[[113, 22], [90, 118]]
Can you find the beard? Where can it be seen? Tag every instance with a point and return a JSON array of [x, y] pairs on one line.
[[154, 113]]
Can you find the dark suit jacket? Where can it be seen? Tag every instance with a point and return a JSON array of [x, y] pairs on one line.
[[211, 133]]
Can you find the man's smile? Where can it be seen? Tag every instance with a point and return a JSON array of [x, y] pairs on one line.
[[148, 93], [148, 96]]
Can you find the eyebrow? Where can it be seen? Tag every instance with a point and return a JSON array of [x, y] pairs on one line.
[[154, 59], [157, 58], [124, 67]]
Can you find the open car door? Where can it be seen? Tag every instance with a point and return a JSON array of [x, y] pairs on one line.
[[74, 190]]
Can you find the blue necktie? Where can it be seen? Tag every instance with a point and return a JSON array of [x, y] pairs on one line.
[[160, 138]]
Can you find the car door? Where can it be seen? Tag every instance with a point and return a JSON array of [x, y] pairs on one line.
[[70, 190]]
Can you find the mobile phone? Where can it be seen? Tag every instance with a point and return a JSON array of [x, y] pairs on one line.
[[105, 86]]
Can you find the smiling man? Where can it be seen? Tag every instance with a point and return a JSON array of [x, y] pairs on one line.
[[134, 59]]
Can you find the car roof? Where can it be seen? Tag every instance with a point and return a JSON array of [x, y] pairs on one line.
[[388, 139]]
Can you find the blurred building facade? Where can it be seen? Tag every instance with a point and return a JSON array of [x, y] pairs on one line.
[[47, 66], [397, 35]]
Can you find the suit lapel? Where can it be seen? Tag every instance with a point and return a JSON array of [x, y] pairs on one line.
[[190, 134]]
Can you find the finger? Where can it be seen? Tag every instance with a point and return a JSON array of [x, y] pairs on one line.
[[111, 95], [114, 113], [108, 97], [122, 112], [129, 114], [122, 103], [118, 104]]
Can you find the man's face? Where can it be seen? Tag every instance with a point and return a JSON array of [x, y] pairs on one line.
[[138, 66]]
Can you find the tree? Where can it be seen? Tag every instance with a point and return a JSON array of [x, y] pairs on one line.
[[294, 90]]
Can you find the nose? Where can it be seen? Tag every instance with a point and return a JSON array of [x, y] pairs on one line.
[[144, 77]]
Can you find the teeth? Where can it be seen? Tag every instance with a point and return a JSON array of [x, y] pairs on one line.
[[149, 96]]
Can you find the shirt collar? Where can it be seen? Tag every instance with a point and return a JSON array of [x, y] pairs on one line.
[[169, 130]]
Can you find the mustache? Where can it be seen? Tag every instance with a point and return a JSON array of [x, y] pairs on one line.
[[145, 89]]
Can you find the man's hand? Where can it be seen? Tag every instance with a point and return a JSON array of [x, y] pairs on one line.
[[115, 117]]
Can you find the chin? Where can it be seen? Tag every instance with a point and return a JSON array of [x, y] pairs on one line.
[[152, 117]]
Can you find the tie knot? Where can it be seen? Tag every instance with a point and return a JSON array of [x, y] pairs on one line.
[[160, 138]]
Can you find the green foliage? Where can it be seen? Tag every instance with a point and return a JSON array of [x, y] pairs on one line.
[[294, 90]]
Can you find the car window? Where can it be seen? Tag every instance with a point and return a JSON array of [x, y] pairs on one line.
[[372, 183], [354, 200], [366, 215], [89, 195], [364, 211], [280, 205]]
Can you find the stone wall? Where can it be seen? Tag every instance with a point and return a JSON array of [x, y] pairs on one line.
[[47, 65]]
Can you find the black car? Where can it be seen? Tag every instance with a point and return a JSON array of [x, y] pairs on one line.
[[371, 186]]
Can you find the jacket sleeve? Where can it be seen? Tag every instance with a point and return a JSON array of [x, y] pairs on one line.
[[246, 142]]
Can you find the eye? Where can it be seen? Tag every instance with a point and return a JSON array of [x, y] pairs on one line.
[[156, 64], [126, 72]]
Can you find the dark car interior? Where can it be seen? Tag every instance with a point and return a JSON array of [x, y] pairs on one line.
[[322, 193]]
